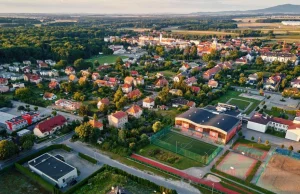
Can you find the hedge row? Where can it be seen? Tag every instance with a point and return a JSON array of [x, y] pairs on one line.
[[88, 158], [253, 171], [45, 150], [36, 178]]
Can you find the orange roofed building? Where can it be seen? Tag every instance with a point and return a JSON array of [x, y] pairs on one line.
[[135, 111], [118, 119]]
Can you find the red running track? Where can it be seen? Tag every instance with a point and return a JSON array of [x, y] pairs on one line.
[[217, 186]]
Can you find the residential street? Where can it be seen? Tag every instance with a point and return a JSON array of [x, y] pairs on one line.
[[181, 187]]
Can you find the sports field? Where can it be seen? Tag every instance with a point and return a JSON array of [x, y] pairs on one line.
[[231, 95], [187, 143], [241, 104], [250, 151], [237, 165], [282, 175], [105, 59]]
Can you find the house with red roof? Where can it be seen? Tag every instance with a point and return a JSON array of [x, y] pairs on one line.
[[118, 119], [212, 84], [3, 81], [49, 126], [148, 102], [241, 61], [53, 84], [95, 76], [272, 83], [33, 78], [134, 94], [134, 73], [191, 81], [135, 111], [195, 89], [96, 124], [126, 88], [70, 70], [103, 101], [162, 82]]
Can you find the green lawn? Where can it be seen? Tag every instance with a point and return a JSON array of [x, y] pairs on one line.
[[235, 94], [171, 112], [105, 58], [182, 163], [13, 182], [241, 104], [167, 73], [187, 143]]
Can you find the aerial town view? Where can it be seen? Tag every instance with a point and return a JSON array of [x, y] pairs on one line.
[[149, 97]]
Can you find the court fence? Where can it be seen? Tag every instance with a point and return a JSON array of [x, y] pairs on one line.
[[206, 159]]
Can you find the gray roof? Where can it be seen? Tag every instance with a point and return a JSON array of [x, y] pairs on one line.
[[205, 117], [51, 166]]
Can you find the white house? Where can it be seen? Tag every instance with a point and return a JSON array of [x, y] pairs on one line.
[[49, 96], [295, 83], [148, 102]]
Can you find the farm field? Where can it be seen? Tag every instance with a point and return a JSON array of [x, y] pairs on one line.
[[208, 32], [105, 58], [13, 182], [167, 157], [282, 175]]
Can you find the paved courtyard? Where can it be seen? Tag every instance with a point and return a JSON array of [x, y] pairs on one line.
[[85, 168]]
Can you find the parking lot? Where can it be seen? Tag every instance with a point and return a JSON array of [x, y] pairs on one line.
[[287, 104], [84, 167]]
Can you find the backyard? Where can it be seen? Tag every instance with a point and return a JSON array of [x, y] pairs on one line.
[[105, 58]]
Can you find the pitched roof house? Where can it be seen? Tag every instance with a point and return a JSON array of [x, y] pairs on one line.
[[118, 119], [49, 126], [135, 111]]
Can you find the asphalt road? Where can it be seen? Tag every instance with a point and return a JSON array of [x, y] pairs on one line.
[[180, 187]]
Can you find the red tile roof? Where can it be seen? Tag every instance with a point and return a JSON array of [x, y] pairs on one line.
[[119, 114], [48, 125]]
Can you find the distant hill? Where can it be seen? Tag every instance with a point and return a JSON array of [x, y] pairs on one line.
[[279, 9]]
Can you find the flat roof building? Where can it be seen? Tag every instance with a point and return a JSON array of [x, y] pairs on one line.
[[53, 169], [218, 127]]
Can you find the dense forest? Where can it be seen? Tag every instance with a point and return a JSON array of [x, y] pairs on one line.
[[67, 43]]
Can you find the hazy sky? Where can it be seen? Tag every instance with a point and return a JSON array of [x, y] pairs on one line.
[[133, 6]]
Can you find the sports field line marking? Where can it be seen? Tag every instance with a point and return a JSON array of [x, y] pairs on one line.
[[168, 138], [187, 144]]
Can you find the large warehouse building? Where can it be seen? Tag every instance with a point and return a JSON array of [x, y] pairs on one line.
[[217, 126]]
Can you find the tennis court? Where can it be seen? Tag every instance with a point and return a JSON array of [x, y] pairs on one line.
[[183, 142], [250, 151], [237, 165]]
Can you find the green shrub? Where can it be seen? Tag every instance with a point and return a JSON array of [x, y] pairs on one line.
[[88, 158]]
